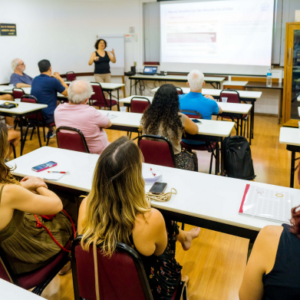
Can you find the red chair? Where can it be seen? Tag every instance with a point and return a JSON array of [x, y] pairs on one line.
[[71, 76], [233, 96], [179, 90], [18, 93], [121, 276], [98, 99], [157, 150], [207, 146], [71, 139], [38, 280], [34, 120], [139, 104]]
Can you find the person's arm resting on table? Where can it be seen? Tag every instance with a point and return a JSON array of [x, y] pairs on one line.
[[101, 120], [22, 198], [190, 127], [22, 85]]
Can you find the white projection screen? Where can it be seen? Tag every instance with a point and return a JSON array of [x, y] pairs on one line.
[[217, 37]]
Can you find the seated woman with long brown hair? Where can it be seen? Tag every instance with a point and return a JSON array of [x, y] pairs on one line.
[[273, 269], [116, 210], [26, 246], [164, 118]]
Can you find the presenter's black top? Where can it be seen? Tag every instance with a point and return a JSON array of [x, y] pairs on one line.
[[283, 282], [102, 65]]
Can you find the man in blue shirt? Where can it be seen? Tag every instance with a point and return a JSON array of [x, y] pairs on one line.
[[45, 88], [19, 79], [195, 100]]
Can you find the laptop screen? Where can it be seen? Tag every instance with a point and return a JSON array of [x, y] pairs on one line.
[[150, 70]]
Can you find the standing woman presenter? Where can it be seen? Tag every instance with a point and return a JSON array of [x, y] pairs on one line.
[[101, 59]]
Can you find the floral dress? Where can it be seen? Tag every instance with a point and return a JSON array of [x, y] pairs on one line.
[[163, 272]]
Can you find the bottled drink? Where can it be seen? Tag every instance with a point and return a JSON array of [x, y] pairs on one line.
[[269, 78]]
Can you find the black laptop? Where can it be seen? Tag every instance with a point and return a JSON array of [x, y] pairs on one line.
[[149, 71]]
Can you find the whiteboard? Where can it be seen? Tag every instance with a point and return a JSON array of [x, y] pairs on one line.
[[116, 42]]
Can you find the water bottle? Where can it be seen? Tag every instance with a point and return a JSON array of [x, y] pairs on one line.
[[269, 78]]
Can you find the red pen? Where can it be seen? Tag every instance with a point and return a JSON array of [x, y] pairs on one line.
[[60, 172]]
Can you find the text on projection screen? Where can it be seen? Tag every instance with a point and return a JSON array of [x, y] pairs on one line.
[[217, 35]]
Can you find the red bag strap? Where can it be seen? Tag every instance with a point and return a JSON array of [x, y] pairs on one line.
[[39, 225]]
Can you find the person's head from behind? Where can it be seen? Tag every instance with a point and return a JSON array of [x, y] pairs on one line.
[[79, 92], [164, 111], [195, 81], [5, 175], [100, 44], [45, 67], [117, 196], [18, 65]]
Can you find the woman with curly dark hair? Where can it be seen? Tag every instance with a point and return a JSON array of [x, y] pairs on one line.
[[273, 268], [163, 118]]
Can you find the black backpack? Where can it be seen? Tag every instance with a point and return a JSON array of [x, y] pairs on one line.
[[238, 160]]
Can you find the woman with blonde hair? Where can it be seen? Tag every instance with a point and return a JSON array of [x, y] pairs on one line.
[[26, 246], [116, 210]]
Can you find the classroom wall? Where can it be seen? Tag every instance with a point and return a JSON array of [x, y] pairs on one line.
[[64, 31]]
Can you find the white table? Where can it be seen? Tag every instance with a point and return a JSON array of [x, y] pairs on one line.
[[23, 109], [299, 108], [209, 130], [235, 83], [291, 138], [109, 88], [5, 89], [245, 96], [10, 291], [202, 200], [139, 77], [235, 108]]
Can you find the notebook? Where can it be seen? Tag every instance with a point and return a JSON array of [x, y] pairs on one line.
[[272, 204]]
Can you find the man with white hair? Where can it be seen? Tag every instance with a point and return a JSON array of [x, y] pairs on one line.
[[19, 79], [205, 105], [77, 114]]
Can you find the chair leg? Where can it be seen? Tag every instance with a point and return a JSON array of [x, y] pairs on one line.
[[182, 226], [210, 164], [32, 131], [44, 133], [14, 150]]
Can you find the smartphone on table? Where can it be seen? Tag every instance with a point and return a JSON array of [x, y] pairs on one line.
[[45, 166], [158, 188]]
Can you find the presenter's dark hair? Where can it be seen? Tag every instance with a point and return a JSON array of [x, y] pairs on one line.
[[44, 65], [98, 41]]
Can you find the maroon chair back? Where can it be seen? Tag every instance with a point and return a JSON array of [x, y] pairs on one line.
[[33, 100], [121, 276], [232, 95], [139, 104], [71, 139], [158, 151], [179, 90], [192, 114], [98, 96], [18, 93], [71, 76]]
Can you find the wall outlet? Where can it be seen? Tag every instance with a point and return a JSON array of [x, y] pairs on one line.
[[134, 63]]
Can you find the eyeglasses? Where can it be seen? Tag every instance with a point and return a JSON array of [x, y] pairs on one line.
[[21, 64]]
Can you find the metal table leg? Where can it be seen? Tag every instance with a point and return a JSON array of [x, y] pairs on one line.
[[118, 96], [292, 169], [22, 136]]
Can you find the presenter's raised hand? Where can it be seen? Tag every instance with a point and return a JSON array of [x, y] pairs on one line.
[[96, 58]]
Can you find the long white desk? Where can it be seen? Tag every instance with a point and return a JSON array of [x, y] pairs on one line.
[[209, 130], [216, 93], [202, 200], [291, 138], [245, 96], [23, 109], [139, 77], [6, 89], [235, 108], [10, 291], [109, 88]]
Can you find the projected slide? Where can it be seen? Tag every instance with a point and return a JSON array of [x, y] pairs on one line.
[[217, 32]]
